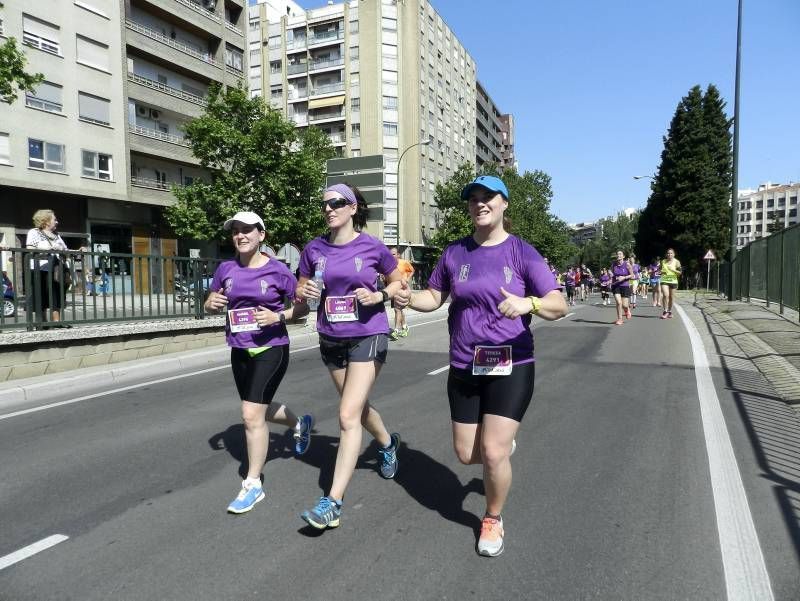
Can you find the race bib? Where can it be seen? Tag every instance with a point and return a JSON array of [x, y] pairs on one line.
[[243, 320], [492, 361], [341, 308]]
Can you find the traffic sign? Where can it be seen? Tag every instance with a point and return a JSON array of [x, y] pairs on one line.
[[709, 256]]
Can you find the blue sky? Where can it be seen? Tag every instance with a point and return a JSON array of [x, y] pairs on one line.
[[593, 85]]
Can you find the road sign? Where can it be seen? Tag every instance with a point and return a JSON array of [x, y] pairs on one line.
[[709, 256]]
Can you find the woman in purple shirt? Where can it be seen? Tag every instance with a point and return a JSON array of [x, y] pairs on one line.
[[353, 333], [252, 289], [621, 276], [495, 282]]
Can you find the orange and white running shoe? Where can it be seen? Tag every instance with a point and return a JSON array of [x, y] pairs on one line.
[[490, 543]]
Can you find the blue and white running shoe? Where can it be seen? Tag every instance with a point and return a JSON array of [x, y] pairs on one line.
[[302, 439], [246, 499]]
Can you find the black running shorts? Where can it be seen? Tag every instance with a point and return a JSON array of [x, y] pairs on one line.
[[623, 291], [338, 352], [257, 378], [472, 397]]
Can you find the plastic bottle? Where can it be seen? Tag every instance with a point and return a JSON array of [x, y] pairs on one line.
[[313, 303]]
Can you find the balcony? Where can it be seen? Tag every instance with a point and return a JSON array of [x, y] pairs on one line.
[[338, 138], [200, 10], [153, 192], [296, 45], [233, 28], [296, 95], [178, 107], [330, 88], [154, 143], [158, 45], [206, 57], [158, 135], [322, 117], [326, 63], [326, 37], [296, 69]]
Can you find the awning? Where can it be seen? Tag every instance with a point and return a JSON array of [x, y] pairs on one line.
[[323, 102]]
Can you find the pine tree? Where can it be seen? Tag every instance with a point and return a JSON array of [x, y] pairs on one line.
[[689, 203]]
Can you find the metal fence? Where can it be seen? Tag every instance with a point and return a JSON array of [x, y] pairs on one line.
[[767, 269], [86, 287]]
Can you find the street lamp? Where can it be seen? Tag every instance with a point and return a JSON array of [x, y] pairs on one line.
[[643, 177], [735, 166], [402, 154]]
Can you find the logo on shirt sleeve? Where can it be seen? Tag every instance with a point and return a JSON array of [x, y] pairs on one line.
[[264, 287], [508, 273], [359, 263], [227, 285], [320, 263], [463, 273]]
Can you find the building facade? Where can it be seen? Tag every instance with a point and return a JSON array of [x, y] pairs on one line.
[[765, 209], [100, 141], [380, 78]]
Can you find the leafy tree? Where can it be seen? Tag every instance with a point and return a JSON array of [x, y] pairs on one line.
[[12, 73], [259, 162], [616, 233], [530, 195], [689, 208]]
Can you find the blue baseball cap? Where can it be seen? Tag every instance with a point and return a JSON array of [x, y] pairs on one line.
[[490, 182]]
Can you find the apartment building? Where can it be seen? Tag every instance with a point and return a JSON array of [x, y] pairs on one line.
[[488, 129], [758, 211], [508, 157], [101, 142], [380, 78]]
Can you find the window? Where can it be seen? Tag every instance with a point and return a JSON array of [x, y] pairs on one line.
[[793, 200], [233, 58], [354, 53], [389, 76], [390, 102], [274, 41], [93, 54], [355, 104], [255, 56], [389, 129], [275, 67], [97, 165], [355, 130], [353, 26], [5, 149], [45, 155], [388, 24], [41, 34], [276, 92], [46, 97], [355, 79], [94, 109]]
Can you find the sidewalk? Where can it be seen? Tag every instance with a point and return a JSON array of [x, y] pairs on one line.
[[18, 392], [769, 340]]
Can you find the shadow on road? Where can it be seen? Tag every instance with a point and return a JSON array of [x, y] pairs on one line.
[[430, 483]]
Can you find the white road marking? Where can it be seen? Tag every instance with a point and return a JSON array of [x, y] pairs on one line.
[[438, 371], [30, 550], [567, 315], [746, 576], [151, 382]]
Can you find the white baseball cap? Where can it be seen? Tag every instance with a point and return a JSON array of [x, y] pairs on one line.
[[247, 217]]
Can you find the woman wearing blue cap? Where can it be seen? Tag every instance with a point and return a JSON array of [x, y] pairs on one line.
[[495, 282]]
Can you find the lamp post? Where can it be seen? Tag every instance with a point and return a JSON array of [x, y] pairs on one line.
[[735, 167], [643, 177], [402, 154]]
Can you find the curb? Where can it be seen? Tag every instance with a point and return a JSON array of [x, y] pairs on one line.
[[87, 380]]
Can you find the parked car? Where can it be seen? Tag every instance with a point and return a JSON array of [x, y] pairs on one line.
[[9, 306]]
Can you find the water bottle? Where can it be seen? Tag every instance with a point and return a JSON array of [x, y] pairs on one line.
[[313, 303]]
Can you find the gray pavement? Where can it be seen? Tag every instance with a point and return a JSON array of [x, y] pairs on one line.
[[611, 498]]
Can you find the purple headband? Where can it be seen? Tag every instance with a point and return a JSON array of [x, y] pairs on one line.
[[344, 190]]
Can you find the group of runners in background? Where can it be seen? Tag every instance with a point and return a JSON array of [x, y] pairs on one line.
[[626, 281]]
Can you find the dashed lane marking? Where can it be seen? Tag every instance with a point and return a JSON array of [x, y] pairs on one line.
[[30, 550], [438, 371]]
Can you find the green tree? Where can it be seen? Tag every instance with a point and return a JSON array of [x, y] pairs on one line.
[[530, 195], [689, 208], [616, 233], [258, 161], [13, 78]]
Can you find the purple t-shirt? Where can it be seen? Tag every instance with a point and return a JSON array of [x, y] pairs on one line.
[[250, 287], [473, 275], [569, 278], [655, 271], [344, 268], [637, 269], [620, 269], [604, 280]]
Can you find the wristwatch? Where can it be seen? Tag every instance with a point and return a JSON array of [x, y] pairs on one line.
[[384, 296]]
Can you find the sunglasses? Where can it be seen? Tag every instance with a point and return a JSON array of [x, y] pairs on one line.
[[335, 203]]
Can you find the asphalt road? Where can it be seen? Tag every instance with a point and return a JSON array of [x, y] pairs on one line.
[[611, 499]]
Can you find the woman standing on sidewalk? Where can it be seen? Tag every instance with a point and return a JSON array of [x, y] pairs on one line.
[[496, 282], [621, 276], [670, 273], [353, 333], [48, 267], [252, 289]]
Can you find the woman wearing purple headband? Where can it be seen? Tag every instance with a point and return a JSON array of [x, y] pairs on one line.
[[353, 333]]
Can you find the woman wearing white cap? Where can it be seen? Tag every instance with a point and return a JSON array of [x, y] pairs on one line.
[[353, 333], [252, 288]]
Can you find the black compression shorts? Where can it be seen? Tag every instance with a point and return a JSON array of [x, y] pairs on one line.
[[257, 378], [472, 397]]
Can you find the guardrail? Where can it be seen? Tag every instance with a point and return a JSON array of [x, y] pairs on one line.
[[767, 269], [206, 57], [90, 287], [161, 87], [158, 135]]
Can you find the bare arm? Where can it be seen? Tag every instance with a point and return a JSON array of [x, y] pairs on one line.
[[424, 301], [553, 306]]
